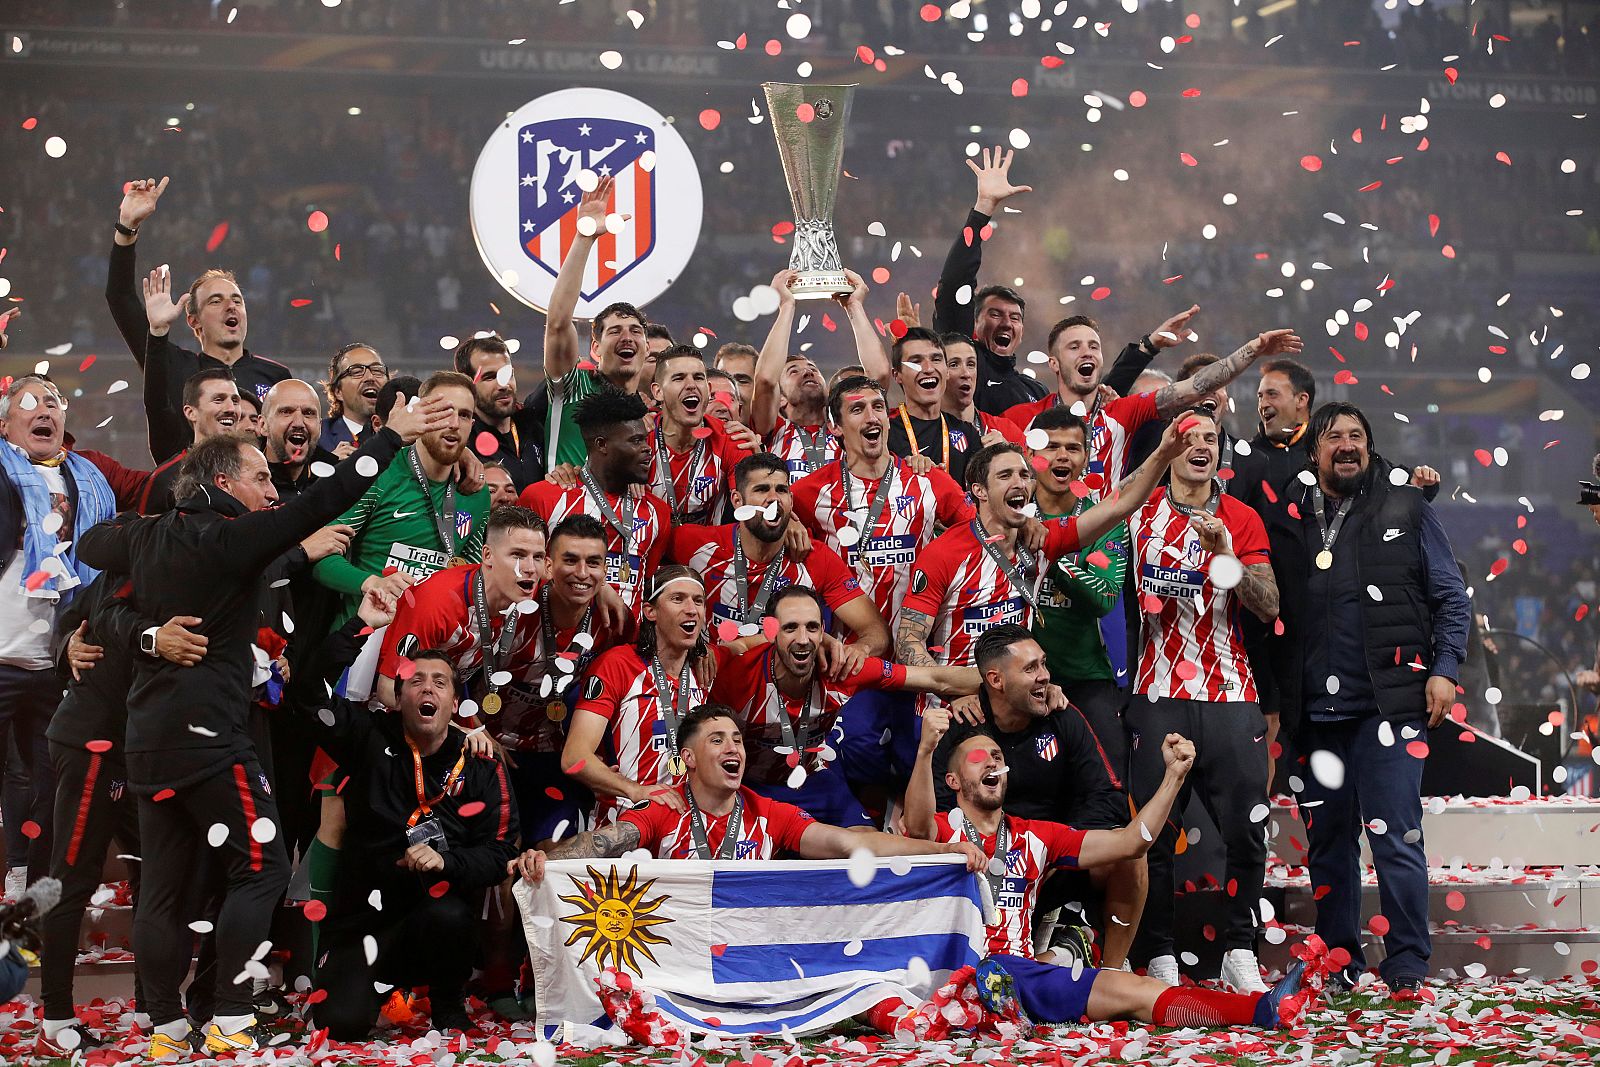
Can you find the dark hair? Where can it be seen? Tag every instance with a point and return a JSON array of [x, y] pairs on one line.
[[220, 455], [1322, 419], [1191, 366], [646, 644], [472, 346], [698, 717], [515, 517], [597, 325], [196, 381], [1066, 324], [438, 654], [913, 333], [654, 331], [248, 396], [738, 348], [951, 337], [997, 642], [1301, 380], [850, 385], [960, 734], [443, 379], [404, 385], [496, 465], [719, 373], [1004, 292], [979, 462], [604, 411], [335, 405], [1061, 417], [677, 352], [579, 526], [761, 462], [795, 591]]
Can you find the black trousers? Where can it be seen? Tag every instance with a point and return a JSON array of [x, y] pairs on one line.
[[93, 808], [175, 832], [28, 700], [1102, 702], [431, 945], [1230, 778]]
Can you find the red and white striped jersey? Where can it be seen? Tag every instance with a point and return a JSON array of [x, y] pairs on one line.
[[1111, 428], [788, 442], [744, 683], [532, 718], [766, 827], [1034, 849], [883, 557], [1192, 647], [965, 592], [709, 550], [621, 688], [646, 541], [701, 493]]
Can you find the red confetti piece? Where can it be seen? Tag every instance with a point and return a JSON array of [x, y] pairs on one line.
[[1188, 160], [1378, 925], [1137, 98], [1520, 547], [88, 361], [299, 302], [702, 432], [1455, 900], [1019, 87], [805, 113], [98, 746], [30, 123], [1361, 331], [710, 118], [438, 889], [1498, 567], [1433, 225], [1185, 669], [470, 808], [864, 54], [1417, 750], [1100, 293], [740, 41], [485, 444], [1345, 377], [1448, 251], [880, 275], [977, 756], [165, 794], [1052, 62], [1451, 74], [218, 233], [929, 13], [898, 327], [336, 255], [1192, 20], [1187, 424], [717, 950], [317, 221], [774, 47], [1370, 188], [315, 911], [316, 996], [30, 830], [1503, 158], [1191, 93], [769, 627], [1311, 163], [36, 580], [1097, 559]]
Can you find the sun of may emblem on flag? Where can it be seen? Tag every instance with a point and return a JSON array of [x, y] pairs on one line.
[[616, 919]]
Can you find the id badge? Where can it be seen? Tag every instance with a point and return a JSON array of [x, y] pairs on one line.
[[427, 832]]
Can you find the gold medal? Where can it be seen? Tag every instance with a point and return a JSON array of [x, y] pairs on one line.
[[491, 703], [1324, 560], [676, 767], [458, 561], [626, 574], [555, 711]]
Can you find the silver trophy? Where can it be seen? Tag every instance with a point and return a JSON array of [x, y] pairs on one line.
[[812, 152]]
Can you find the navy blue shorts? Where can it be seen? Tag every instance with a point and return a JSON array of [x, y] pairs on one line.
[[1050, 994], [825, 796], [538, 813]]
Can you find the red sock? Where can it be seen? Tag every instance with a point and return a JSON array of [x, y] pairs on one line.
[[883, 1015], [1193, 1006]]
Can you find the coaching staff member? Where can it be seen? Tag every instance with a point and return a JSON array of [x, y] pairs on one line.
[[191, 758], [1375, 620]]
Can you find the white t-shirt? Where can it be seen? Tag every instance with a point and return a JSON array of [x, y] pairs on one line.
[[27, 623]]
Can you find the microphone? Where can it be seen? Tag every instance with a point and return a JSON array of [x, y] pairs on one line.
[[19, 919]]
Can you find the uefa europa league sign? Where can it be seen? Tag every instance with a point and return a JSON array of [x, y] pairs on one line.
[[808, 122]]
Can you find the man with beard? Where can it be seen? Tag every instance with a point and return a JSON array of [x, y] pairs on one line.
[[503, 431], [1375, 621], [692, 456], [355, 377], [1023, 853], [613, 486], [617, 341], [622, 744], [1201, 560], [292, 420], [414, 519], [145, 313], [498, 481], [918, 427], [737, 360], [192, 760], [977, 576], [993, 316], [789, 403], [788, 706], [747, 562], [960, 388]]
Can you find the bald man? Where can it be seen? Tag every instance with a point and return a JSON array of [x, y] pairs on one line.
[[292, 421]]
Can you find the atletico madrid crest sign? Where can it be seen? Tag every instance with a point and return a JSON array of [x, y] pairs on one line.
[[536, 167]]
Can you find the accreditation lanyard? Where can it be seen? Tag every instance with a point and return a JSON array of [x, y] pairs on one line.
[[494, 651], [547, 628], [1329, 534], [672, 707], [795, 737], [1002, 845], [911, 436], [664, 457], [624, 528], [424, 805], [1012, 574], [443, 521], [813, 445], [880, 499], [751, 612], [702, 838]]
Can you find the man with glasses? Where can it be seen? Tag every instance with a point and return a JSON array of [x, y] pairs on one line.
[[355, 374]]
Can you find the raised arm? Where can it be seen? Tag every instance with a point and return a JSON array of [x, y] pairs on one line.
[[869, 347], [1171, 399], [921, 803], [965, 257], [122, 286], [1134, 490], [823, 842], [1136, 355], [774, 354], [562, 346], [1112, 846]]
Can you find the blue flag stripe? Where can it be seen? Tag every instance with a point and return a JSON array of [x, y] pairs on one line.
[[755, 888], [771, 1025], [773, 963]]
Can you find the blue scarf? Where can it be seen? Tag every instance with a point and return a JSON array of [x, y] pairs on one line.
[[95, 504]]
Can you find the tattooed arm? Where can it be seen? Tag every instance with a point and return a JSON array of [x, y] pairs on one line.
[[1171, 399], [1258, 591], [911, 642], [606, 842]]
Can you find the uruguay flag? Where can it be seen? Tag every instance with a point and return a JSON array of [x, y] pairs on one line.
[[747, 948]]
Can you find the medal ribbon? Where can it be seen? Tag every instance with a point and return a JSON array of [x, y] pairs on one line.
[[445, 526], [816, 453], [702, 839], [676, 708], [1012, 573], [547, 629], [493, 650], [741, 577], [1002, 845], [664, 457], [880, 500], [598, 495], [795, 738], [1329, 534]]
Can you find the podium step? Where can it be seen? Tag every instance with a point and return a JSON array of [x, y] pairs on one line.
[[1554, 897], [1478, 951]]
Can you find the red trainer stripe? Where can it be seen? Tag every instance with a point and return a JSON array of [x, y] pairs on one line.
[[247, 804], [85, 799]]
